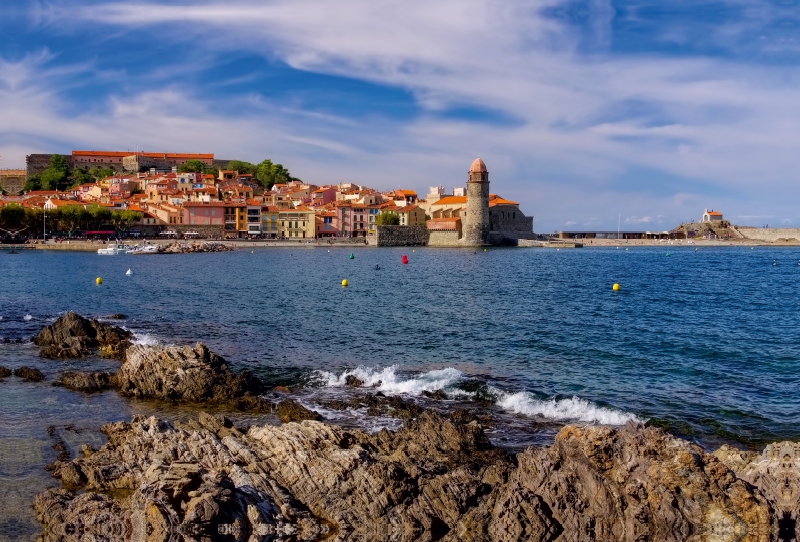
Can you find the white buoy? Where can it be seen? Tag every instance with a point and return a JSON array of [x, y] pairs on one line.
[[129, 272]]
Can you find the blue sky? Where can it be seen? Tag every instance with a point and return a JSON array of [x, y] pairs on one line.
[[583, 110]]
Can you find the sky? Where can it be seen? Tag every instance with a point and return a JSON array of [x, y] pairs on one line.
[[590, 114]]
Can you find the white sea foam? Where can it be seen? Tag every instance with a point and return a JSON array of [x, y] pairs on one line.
[[387, 380], [144, 338], [27, 317], [572, 409]]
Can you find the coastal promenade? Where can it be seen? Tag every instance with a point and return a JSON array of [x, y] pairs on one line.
[[88, 246]]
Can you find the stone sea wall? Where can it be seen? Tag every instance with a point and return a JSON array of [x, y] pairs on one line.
[[769, 234], [444, 239], [400, 236]]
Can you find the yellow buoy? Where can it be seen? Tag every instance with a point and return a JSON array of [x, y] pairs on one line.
[[615, 287], [344, 282], [626, 249], [98, 280], [413, 250], [251, 252], [484, 250]]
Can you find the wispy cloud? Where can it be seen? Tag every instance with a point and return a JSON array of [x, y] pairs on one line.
[[588, 107]]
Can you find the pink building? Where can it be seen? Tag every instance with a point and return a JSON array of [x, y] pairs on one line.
[[324, 195], [204, 213]]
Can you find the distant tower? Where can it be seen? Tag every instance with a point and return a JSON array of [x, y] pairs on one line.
[[476, 221]]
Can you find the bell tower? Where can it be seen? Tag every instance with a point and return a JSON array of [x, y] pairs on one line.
[[476, 221]]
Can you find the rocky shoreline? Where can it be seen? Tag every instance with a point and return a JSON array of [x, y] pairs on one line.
[[437, 478]]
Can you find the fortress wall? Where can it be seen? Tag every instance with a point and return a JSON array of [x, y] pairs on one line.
[[770, 234], [444, 239], [401, 236]]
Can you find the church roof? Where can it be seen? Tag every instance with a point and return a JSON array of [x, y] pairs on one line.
[[477, 166], [452, 200]]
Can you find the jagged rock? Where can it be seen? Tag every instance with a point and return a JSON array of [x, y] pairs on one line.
[[633, 483], [776, 472], [29, 374], [435, 479], [5, 372], [300, 481], [290, 410], [193, 374], [72, 335], [87, 382], [436, 394], [118, 316], [353, 381]]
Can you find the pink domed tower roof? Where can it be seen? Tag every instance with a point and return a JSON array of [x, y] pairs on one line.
[[477, 166]]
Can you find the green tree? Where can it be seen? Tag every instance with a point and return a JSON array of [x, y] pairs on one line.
[[72, 217], [194, 166], [81, 175], [124, 218], [98, 216], [34, 182], [100, 172], [54, 177], [268, 174], [387, 218], [241, 167]]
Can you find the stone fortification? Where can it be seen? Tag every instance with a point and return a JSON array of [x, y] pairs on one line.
[[769, 235], [12, 180], [510, 224], [400, 236], [36, 163], [446, 238], [476, 217]]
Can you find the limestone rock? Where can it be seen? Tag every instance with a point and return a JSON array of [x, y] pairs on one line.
[[72, 335], [434, 479], [633, 483], [290, 410], [87, 382], [5, 372], [29, 374], [174, 373]]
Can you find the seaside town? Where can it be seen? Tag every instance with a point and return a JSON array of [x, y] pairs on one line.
[[105, 194]]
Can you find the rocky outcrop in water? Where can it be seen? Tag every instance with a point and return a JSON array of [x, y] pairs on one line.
[[435, 479], [5, 372], [184, 373], [72, 336], [87, 382], [29, 374]]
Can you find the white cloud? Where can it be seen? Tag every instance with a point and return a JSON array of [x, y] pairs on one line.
[[639, 220], [718, 126]]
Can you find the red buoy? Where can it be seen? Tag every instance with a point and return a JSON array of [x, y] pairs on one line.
[[405, 259]]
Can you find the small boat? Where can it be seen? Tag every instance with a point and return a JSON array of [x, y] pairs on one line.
[[129, 272], [145, 249], [113, 249]]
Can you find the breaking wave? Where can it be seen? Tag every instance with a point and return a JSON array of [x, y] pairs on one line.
[[387, 380], [573, 408]]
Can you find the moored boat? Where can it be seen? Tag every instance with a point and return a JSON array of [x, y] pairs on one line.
[[113, 249]]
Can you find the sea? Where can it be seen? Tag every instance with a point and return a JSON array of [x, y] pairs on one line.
[[702, 341]]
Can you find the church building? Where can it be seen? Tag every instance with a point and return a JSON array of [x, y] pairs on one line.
[[477, 218]]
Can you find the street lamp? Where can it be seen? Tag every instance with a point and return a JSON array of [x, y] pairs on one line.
[[44, 225]]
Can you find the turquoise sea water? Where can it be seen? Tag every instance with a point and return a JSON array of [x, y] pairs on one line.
[[706, 342]]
